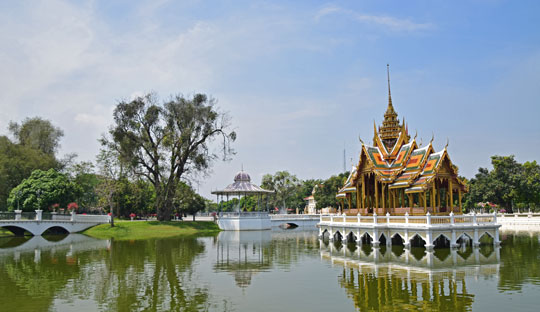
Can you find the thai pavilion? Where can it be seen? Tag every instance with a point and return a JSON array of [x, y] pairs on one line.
[[397, 175]]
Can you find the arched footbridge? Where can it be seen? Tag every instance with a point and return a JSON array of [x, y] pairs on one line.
[[56, 223], [300, 220]]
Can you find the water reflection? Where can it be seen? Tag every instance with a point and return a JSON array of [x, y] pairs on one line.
[[244, 254], [415, 279]]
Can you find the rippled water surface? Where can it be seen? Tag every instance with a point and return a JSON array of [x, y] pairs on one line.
[[279, 270]]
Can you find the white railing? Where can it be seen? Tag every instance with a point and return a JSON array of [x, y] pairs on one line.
[[294, 217], [90, 218], [253, 215], [427, 220]]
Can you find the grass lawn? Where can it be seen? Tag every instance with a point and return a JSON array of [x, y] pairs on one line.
[[128, 230]]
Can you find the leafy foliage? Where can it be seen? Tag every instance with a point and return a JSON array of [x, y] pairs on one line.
[[509, 185], [42, 190], [325, 193], [17, 163], [284, 184], [38, 134]]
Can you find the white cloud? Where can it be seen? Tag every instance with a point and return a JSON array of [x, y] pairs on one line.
[[385, 21]]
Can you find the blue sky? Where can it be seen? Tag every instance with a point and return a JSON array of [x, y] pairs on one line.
[[301, 79]]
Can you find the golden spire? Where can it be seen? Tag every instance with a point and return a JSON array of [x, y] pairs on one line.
[[390, 128]]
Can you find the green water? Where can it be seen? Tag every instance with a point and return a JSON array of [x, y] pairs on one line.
[[264, 271]]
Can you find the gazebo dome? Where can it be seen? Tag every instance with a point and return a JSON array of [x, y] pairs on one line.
[[242, 177]]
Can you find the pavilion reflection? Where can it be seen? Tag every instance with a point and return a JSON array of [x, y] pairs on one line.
[[415, 279], [244, 254]]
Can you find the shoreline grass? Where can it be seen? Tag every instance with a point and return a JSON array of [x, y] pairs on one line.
[[133, 230]]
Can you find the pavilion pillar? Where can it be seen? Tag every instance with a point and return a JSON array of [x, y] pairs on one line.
[[425, 202], [376, 196], [451, 194], [357, 199], [363, 191], [433, 205], [438, 188], [383, 195], [411, 204], [349, 195], [459, 199]]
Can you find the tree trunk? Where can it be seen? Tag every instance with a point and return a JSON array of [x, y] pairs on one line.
[[112, 208], [193, 217]]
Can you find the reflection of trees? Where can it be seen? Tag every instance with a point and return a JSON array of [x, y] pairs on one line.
[[384, 290], [145, 275], [520, 261], [149, 275], [31, 281]]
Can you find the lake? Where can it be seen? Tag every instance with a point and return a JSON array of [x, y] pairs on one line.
[[278, 270]]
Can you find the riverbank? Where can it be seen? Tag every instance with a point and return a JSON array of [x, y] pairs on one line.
[[131, 230]]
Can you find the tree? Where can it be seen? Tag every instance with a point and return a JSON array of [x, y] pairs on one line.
[[111, 170], [42, 190], [17, 163], [188, 201], [304, 189], [285, 186], [529, 193], [37, 133], [165, 142], [325, 193]]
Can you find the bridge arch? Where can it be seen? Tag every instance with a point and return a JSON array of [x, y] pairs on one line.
[[56, 229], [397, 239], [366, 238], [338, 236], [441, 241], [17, 230], [417, 241], [351, 237], [464, 239], [486, 237]]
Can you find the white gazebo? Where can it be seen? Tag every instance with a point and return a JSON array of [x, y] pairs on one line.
[[242, 220]]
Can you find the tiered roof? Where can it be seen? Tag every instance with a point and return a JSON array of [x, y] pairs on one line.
[[399, 162]]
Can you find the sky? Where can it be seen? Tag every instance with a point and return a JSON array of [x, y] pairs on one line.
[[301, 80]]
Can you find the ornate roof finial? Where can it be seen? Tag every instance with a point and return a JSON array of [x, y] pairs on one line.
[[388, 75]]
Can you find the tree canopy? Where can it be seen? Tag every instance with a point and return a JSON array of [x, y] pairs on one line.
[[37, 133], [509, 184], [284, 184], [325, 193], [17, 163], [165, 142], [42, 190]]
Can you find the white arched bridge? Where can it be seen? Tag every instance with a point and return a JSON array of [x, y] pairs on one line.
[[37, 225]]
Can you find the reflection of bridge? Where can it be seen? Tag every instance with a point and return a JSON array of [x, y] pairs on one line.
[[37, 244], [59, 224]]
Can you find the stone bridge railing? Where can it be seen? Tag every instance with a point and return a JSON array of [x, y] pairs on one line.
[[38, 215]]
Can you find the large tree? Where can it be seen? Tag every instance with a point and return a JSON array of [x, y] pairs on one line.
[[17, 163], [164, 142], [37, 133], [325, 193], [284, 184]]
